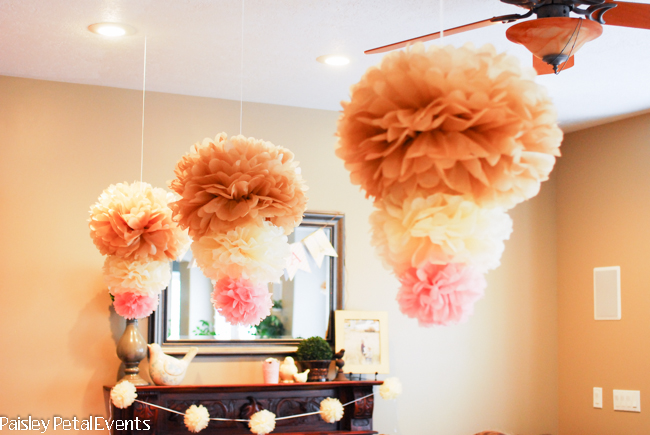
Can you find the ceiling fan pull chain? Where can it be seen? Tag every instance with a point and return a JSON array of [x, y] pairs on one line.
[[578, 27]]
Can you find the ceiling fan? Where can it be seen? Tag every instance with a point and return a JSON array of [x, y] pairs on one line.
[[554, 36]]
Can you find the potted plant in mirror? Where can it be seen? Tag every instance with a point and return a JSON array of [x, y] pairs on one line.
[[315, 354]]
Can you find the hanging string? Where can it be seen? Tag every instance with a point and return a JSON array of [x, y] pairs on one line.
[[241, 72], [247, 420], [144, 83], [442, 21]]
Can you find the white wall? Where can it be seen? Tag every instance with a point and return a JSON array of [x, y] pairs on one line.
[[62, 144]]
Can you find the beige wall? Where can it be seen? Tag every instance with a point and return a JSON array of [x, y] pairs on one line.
[[62, 144], [603, 206]]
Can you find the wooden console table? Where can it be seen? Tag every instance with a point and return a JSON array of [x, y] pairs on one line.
[[238, 401]]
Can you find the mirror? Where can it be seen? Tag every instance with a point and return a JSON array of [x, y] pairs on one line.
[[302, 307]]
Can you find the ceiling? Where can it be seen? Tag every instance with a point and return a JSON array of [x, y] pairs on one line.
[[194, 48]]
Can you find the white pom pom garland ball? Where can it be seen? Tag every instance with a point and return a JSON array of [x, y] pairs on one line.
[[331, 410], [262, 422], [390, 389], [123, 394], [196, 418]]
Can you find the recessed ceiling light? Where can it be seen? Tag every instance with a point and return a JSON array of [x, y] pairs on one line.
[[111, 29], [333, 59]]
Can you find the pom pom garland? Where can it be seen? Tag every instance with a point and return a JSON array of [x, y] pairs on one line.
[[123, 394], [146, 278], [438, 229], [233, 180], [331, 410], [135, 305], [258, 252], [196, 418], [464, 121], [134, 222], [440, 294], [241, 301], [262, 422], [390, 389]]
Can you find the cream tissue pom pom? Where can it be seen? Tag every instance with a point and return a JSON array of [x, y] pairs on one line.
[[331, 410], [390, 389], [262, 422], [135, 222], [123, 394], [258, 252], [438, 229], [146, 278], [196, 418]]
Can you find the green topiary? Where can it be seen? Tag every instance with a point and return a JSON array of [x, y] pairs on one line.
[[314, 348]]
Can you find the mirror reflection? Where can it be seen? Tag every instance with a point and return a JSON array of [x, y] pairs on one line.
[[303, 301], [301, 305]]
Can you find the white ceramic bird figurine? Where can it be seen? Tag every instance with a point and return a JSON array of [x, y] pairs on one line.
[[287, 370], [165, 369], [301, 377]]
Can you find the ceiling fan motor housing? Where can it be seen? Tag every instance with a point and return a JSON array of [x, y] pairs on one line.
[[552, 10]]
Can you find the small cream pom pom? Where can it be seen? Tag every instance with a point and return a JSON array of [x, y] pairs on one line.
[[390, 389], [123, 394], [262, 422], [331, 410], [196, 418]]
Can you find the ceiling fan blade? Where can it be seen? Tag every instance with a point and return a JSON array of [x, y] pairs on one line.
[[628, 14], [432, 36], [543, 68]]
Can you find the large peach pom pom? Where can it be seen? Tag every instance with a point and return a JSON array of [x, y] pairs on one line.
[[134, 222], [440, 294], [258, 252], [237, 179], [240, 301], [438, 229], [453, 120]]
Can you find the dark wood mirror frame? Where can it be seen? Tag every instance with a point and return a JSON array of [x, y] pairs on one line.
[[158, 320]]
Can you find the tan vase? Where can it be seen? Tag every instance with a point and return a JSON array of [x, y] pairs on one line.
[[132, 349]]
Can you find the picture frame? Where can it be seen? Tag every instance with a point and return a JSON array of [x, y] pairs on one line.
[[364, 336]]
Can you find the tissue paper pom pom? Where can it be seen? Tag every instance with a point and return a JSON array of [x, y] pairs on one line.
[[241, 301], [262, 422], [123, 394], [196, 418], [226, 180], [146, 278], [438, 229], [258, 252], [440, 294], [390, 389], [453, 120], [134, 222], [134, 305], [331, 410]]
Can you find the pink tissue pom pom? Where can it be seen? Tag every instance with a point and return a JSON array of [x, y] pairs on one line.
[[241, 301], [440, 294], [134, 306]]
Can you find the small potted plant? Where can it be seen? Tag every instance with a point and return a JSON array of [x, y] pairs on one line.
[[315, 354]]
